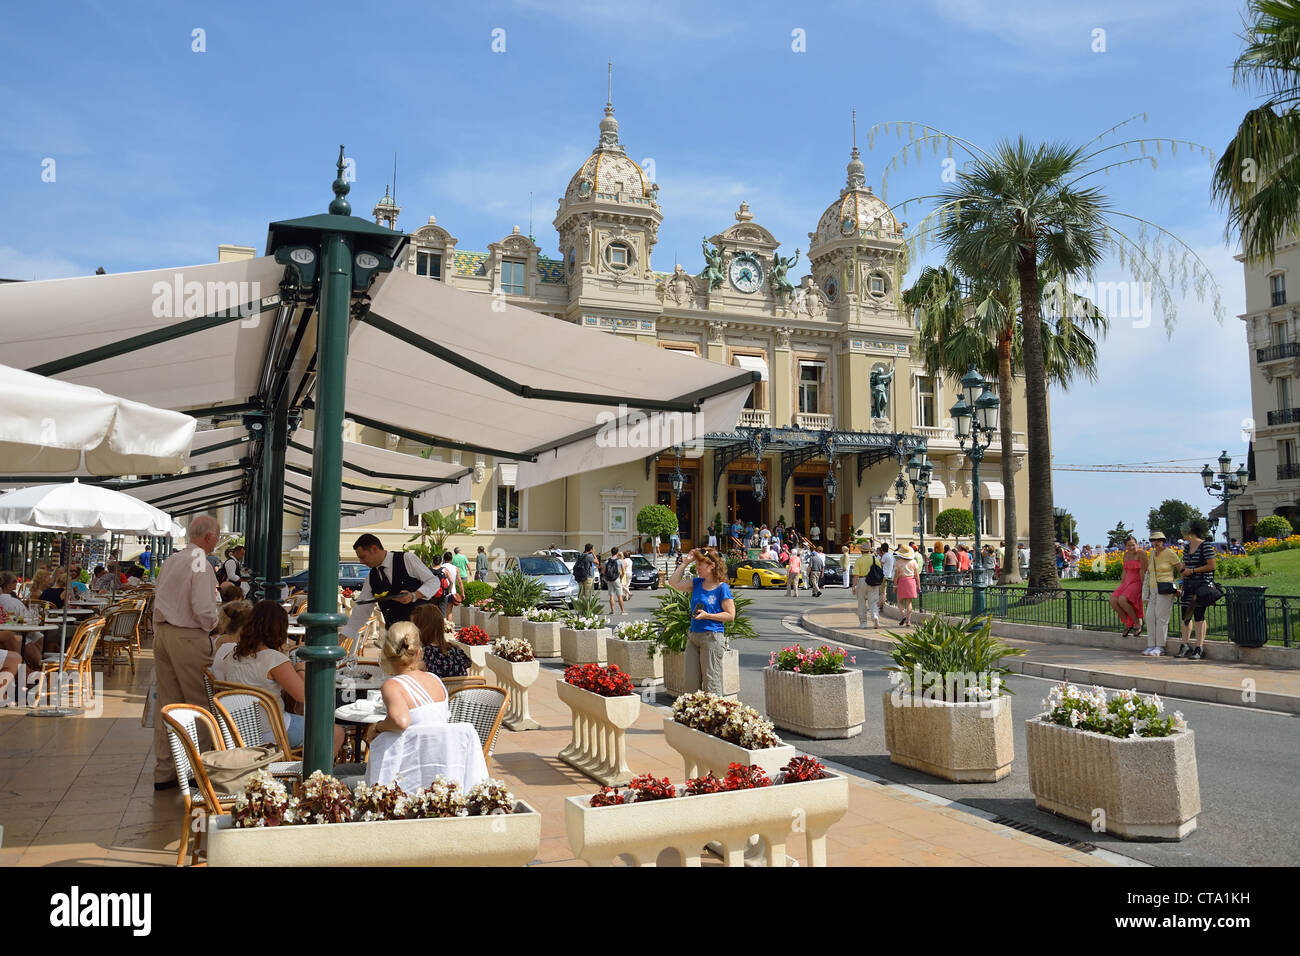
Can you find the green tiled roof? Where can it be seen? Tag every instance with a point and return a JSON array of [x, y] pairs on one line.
[[550, 270], [471, 263]]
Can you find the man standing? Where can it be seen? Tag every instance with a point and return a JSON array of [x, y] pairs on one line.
[[675, 543], [792, 575], [446, 602], [887, 562], [816, 568], [1022, 559], [867, 576], [184, 617], [480, 565], [397, 580], [584, 572], [612, 573], [146, 560], [461, 562], [814, 533], [236, 573]]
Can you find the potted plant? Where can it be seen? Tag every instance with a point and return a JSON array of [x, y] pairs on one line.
[[485, 616], [542, 630], [1115, 763], [656, 522], [712, 732], [632, 647], [651, 815], [473, 640], [511, 660], [672, 623], [584, 631], [812, 693], [604, 704], [330, 825], [948, 714], [515, 594]]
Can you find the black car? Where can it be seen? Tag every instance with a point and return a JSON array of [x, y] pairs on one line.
[[351, 575], [833, 576], [644, 574]]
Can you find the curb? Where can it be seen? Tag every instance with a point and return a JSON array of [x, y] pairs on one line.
[[1205, 693]]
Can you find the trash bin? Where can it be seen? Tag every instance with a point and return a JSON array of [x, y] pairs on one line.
[[1247, 620]]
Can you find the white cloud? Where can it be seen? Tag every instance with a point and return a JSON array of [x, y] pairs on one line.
[[30, 266]]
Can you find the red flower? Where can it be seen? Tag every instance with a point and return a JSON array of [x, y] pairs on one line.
[[740, 777], [605, 681], [698, 786], [803, 768], [648, 787], [473, 635], [607, 797]]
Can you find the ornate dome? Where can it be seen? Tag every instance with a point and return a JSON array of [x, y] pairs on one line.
[[609, 170], [857, 209]]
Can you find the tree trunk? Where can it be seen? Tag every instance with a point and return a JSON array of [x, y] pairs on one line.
[[1010, 566], [1042, 550]]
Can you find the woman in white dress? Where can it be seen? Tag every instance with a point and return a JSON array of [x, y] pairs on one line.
[[414, 743]]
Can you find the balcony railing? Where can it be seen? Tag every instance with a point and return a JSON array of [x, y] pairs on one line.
[[1288, 471], [754, 418], [811, 421], [1284, 416], [1272, 353], [1279, 297]]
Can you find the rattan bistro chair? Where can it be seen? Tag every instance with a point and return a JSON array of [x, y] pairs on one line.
[[121, 634], [76, 659], [183, 721], [483, 708]]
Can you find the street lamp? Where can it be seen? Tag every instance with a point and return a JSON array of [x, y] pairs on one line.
[[975, 416], [919, 473], [760, 485], [1226, 485], [677, 481], [830, 485], [900, 490]]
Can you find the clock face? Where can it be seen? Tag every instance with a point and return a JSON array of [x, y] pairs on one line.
[[746, 274], [831, 287]]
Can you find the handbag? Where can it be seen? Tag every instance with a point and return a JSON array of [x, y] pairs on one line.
[[1164, 587], [1209, 593], [230, 770]]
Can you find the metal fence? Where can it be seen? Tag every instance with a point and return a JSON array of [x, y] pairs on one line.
[[1088, 609]]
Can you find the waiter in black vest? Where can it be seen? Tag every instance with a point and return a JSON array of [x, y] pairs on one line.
[[397, 581]]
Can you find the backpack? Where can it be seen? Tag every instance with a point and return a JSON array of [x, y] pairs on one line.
[[876, 575], [221, 574], [445, 587], [612, 570], [582, 568]]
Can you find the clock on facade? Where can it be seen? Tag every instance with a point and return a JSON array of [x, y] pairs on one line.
[[830, 287], [746, 273]]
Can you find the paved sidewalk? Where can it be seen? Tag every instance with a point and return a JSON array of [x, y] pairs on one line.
[[1218, 682], [78, 791]]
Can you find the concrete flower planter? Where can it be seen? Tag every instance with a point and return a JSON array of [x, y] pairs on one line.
[[967, 743], [704, 753], [490, 623], [463, 615], [1146, 786], [585, 646], [511, 626], [517, 677], [641, 832], [675, 674], [634, 660], [598, 747], [477, 654], [544, 636], [501, 840], [822, 706]]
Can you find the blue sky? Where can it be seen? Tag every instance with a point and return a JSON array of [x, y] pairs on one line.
[[161, 153]]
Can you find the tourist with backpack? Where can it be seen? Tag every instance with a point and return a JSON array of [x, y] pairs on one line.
[[612, 574], [869, 575], [584, 571]]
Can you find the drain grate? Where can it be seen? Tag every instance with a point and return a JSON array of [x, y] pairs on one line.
[[1044, 834]]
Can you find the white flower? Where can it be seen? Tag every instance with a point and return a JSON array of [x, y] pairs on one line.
[[895, 677]]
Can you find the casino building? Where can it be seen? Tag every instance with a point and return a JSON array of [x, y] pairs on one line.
[[806, 449]]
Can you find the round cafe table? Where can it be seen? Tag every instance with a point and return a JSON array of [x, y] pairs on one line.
[[355, 716]]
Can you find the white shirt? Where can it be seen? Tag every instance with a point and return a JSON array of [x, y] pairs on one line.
[[11, 605], [232, 570], [414, 566], [887, 564], [815, 533], [254, 671]]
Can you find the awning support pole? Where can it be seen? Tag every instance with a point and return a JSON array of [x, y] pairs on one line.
[[274, 494]]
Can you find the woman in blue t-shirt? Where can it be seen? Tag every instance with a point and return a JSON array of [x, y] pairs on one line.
[[712, 606]]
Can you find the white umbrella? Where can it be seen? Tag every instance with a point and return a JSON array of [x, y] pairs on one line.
[[81, 509], [52, 427]]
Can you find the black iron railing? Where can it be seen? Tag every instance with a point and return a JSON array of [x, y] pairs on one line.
[[1284, 416], [1286, 471], [1271, 353]]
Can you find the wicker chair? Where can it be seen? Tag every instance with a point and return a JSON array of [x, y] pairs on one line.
[[182, 721], [253, 717], [482, 707], [121, 634], [76, 659], [209, 685]]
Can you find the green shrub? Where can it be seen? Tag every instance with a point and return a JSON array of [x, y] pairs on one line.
[[955, 523], [672, 621], [939, 655], [476, 591], [517, 592], [656, 520], [1273, 526]]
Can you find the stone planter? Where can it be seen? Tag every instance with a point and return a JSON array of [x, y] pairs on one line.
[[544, 636], [511, 627], [1146, 786], [634, 660], [477, 654], [967, 743], [641, 832], [490, 623], [500, 840], [583, 647], [703, 752], [598, 747], [675, 674], [517, 677], [822, 706], [463, 615]]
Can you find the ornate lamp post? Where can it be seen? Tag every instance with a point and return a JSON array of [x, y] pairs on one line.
[[976, 419], [919, 472], [1229, 485]]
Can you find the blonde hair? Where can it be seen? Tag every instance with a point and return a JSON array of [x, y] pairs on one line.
[[400, 647], [40, 581]]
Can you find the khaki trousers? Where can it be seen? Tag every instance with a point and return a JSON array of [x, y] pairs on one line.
[[703, 661], [1160, 608], [180, 654], [587, 588], [868, 602]]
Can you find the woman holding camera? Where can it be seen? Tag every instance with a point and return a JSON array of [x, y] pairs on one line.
[[712, 607]]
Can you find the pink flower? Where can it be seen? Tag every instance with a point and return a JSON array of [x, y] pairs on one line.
[[853, 660], [796, 667]]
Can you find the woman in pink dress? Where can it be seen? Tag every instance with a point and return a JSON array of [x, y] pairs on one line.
[[906, 581], [1127, 598]]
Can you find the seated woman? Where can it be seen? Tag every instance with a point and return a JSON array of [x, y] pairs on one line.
[[257, 659], [102, 580], [34, 646], [230, 618], [441, 658], [414, 743], [54, 593]]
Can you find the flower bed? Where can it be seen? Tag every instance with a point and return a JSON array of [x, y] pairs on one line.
[[603, 705], [513, 664], [632, 649], [605, 681], [712, 732], [541, 629], [821, 660], [473, 636], [582, 640]]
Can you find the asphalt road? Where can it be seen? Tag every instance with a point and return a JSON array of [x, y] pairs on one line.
[[1248, 761]]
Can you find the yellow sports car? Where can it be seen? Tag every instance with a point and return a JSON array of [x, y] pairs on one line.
[[758, 574]]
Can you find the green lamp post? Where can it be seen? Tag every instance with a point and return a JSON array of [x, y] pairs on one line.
[[975, 416]]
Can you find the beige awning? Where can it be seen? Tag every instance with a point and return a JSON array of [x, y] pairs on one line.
[[992, 490], [937, 489], [751, 363]]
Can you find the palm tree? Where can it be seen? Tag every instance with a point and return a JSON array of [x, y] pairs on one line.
[[964, 323], [1258, 176], [435, 529]]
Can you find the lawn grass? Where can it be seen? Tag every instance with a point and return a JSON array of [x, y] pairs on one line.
[[1279, 573]]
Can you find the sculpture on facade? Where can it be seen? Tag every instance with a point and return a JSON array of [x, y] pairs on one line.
[[779, 268], [713, 272], [880, 379]]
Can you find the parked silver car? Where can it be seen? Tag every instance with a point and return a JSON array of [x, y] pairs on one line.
[[561, 588]]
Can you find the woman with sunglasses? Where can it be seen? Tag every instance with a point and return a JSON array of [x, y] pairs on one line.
[[712, 607]]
